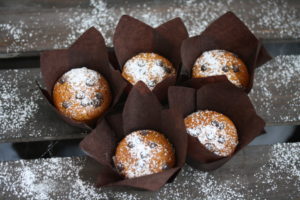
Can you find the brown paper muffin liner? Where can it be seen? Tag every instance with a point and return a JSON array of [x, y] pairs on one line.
[[222, 97], [142, 110], [226, 33], [90, 51], [132, 37]]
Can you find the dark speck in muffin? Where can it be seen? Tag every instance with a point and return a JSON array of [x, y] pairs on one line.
[[85, 103], [97, 102], [165, 166], [66, 104], [225, 68], [130, 145], [203, 68], [99, 96], [144, 132], [217, 124], [221, 139], [152, 145], [235, 68], [167, 69]]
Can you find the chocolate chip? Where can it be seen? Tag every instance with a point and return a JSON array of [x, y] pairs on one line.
[[152, 145], [130, 145], [221, 139], [99, 99], [167, 69], [165, 166], [120, 167], [235, 68], [160, 63], [209, 146], [79, 95], [221, 126], [140, 64], [203, 68], [99, 95], [225, 68], [85, 103], [217, 124], [66, 104], [144, 132], [96, 102], [90, 82]]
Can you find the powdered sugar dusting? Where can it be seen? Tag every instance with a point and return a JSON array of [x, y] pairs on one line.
[[280, 20], [213, 133], [196, 15], [38, 181], [219, 62], [147, 67], [276, 93], [80, 77], [24, 114], [282, 169], [276, 173], [142, 166], [142, 155], [17, 109]]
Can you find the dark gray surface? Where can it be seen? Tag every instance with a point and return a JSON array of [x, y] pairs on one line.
[[30, 26], [257, 172]]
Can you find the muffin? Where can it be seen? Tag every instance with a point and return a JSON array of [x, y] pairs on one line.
[[214, 130], [221, 62], [82, 94], [150, 68], [143, 152]]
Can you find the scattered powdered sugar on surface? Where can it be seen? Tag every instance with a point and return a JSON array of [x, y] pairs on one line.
[[16, 31], [17, 108], [147, 67], [213, 132], [276, 94], [24, 113], [283, 169], [37, 179], [280, 20], [278, 174]]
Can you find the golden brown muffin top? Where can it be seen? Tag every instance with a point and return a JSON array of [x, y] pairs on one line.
[[150, 68], [214, 130], [142, 153], [221, 62], [82, 94]]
